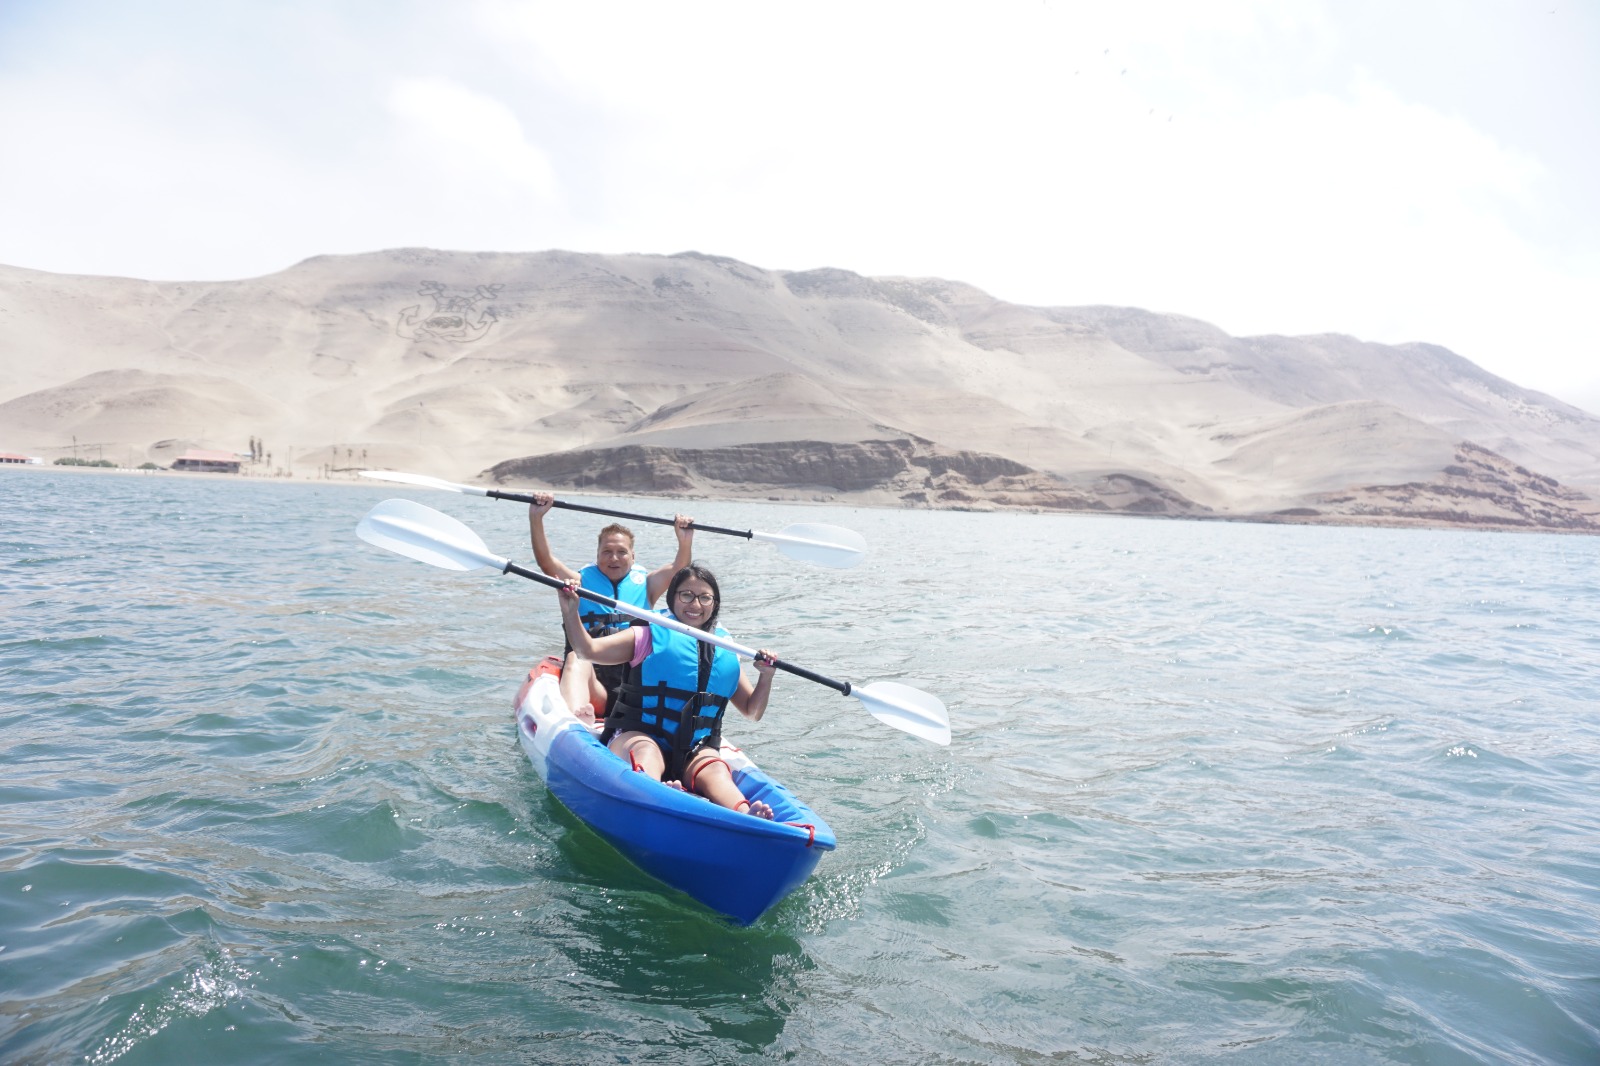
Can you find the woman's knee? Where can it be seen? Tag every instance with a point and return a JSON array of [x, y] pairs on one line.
[[641, 750], [705, 768]]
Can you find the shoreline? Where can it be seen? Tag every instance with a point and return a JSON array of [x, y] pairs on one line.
[[762, 496], [126, 471]]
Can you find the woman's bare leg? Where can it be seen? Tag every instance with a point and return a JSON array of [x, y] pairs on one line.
[[642, 751], [708, 775], [577, 687]]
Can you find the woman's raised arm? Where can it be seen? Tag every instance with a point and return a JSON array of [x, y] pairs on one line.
[[609, 650]]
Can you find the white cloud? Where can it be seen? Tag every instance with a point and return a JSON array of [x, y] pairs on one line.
[[468, 137]]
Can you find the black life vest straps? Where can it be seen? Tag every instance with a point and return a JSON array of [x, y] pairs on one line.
[[629, 713], [603, 625]]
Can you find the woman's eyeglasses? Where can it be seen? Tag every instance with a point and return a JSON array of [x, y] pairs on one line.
[[704, 599]]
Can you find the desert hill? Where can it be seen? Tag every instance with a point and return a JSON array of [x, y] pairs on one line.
[[693, 374]]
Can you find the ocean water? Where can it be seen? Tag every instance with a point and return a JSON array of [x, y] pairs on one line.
[[1217, 793]]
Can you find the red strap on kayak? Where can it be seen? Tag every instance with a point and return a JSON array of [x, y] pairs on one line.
[[809, 828], [634, 759]]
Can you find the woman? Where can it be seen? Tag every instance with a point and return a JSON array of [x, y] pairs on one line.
[[667, 720]]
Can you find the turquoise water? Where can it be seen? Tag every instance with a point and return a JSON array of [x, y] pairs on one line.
[[1217, 793]]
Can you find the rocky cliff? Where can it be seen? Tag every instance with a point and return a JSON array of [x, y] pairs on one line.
[[912, 473]]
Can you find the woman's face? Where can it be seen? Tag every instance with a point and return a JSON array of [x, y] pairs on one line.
[[694, 602]]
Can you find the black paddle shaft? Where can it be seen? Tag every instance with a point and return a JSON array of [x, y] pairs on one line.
[[524, 498], [841, 687]]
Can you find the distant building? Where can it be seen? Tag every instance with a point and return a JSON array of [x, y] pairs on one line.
[[198, 459], [8, 457]]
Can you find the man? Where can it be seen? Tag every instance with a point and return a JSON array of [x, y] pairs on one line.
[[613, 573]]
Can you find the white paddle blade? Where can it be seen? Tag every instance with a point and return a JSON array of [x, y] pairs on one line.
[[814, 542], [421, 533], [422, 481], [906, 708]]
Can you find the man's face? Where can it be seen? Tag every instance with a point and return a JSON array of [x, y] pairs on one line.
[[615, 556]]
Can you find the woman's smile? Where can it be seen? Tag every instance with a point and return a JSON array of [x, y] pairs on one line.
[[694, 602]]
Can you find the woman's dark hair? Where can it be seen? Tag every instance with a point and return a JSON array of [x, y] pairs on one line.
[[695, 570]]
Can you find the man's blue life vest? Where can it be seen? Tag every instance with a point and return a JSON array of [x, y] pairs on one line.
[[633, 590]]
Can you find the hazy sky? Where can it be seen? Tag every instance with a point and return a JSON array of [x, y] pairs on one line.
[[1393, 170]]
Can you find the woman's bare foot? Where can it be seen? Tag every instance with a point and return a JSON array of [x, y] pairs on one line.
[[760, 810]]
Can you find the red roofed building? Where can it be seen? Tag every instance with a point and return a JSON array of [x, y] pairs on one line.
[[209, 462], [11, 457]]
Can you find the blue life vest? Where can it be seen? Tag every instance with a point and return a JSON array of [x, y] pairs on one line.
[[677, 694], [633, 589]]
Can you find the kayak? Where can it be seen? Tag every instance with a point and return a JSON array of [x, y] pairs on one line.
[[731, 862]]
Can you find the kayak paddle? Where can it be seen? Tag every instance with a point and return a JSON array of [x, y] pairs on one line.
[[811, 542], [408, 528]]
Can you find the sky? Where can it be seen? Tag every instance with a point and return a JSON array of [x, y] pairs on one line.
[[1395, 170]]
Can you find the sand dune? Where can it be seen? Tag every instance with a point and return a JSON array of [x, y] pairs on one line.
[[697, 373], [1286, 456], [129, 404], [775, 407]]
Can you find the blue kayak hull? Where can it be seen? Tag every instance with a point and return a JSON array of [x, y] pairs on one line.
[[735, 864]]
